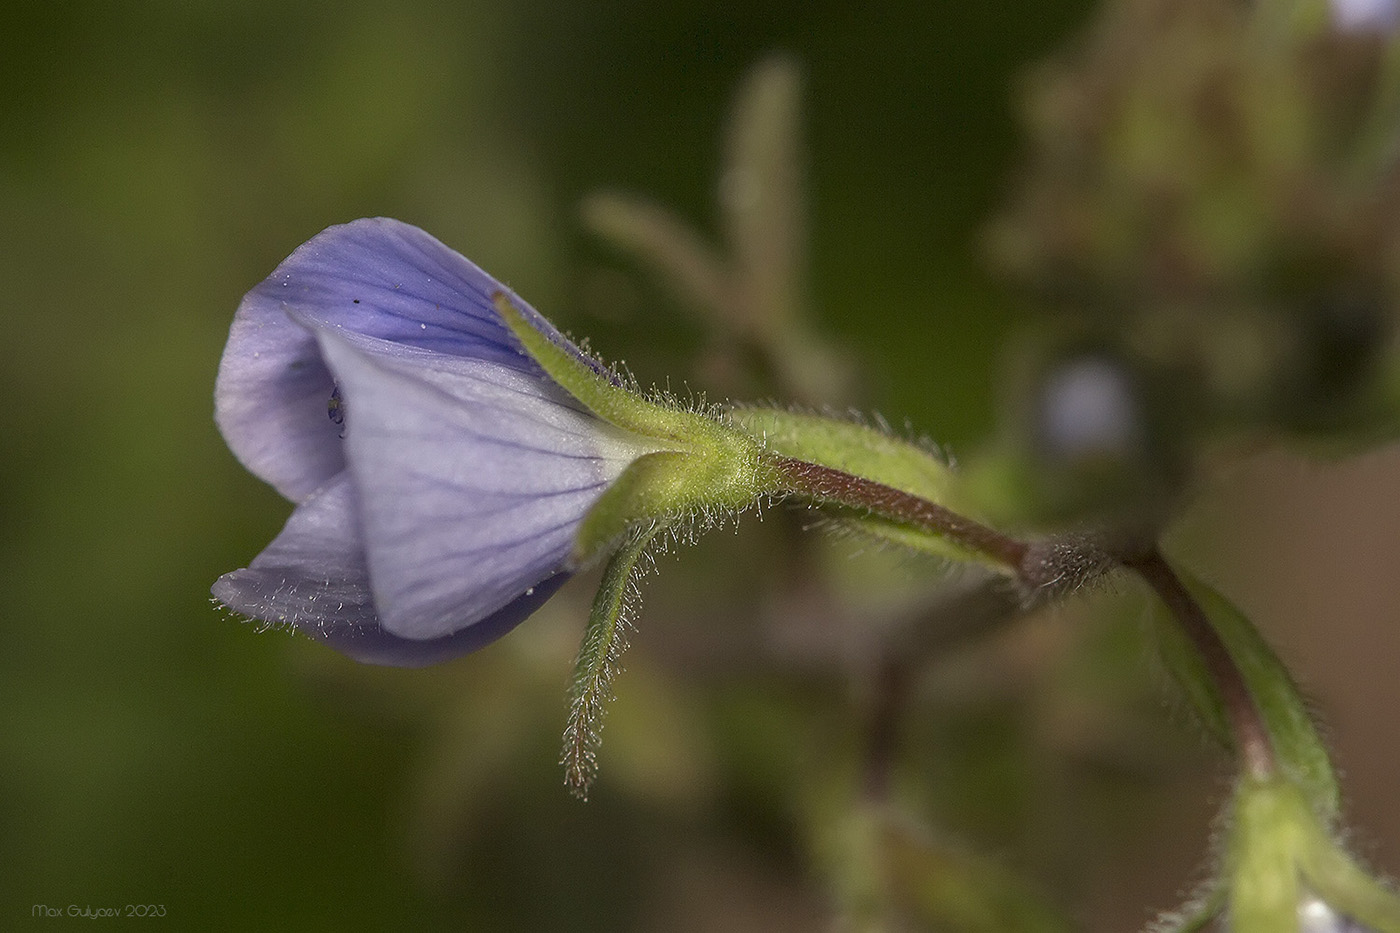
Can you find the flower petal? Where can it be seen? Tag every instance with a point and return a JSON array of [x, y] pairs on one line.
[[472, 477], [373, 645], [313, 574], [313, 577], [378, 277]]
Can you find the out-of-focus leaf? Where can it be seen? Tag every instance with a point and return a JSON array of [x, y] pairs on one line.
[[947, 888], [762, 193], [891, 873], [661, 240]]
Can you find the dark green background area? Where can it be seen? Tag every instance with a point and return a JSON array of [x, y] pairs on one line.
[[156, 161], [159, 159]]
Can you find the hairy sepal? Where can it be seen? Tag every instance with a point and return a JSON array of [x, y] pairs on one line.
[[590, 689], [700, 465]]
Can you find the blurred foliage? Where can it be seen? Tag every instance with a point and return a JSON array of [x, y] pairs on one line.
[[157, 160]]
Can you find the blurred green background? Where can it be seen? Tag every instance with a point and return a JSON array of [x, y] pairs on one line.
[[159, 159]]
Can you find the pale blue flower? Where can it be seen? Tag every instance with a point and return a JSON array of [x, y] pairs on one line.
[[439, 474]]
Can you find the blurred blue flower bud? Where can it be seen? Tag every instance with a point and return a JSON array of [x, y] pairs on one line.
[[1366, 15], [1089, 409]]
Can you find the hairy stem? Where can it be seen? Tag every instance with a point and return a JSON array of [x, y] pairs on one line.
[[1251, 735], [829, 485], [1049, 568]]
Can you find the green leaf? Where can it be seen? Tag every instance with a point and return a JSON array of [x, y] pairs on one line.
[[597, 665]]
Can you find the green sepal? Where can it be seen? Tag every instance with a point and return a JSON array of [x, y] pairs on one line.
[[1297, 745], [1265, 837], [1280, 850], [872, 454], [700, 464], [604, 640], [672, 485], [1180, 659], [1336, 878], [642, 491], [611, 402]]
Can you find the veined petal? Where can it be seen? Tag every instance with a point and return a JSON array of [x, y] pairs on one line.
[[374, 645], [313, 574], [313, 577], [472, 477], [377, 277]]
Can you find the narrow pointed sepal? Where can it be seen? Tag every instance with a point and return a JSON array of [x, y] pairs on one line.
[[700, 465], [603, 396], [590, 690]]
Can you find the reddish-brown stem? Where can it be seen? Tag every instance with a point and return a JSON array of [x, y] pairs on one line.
[[1080, 562], [1255, 748], [826, 484]]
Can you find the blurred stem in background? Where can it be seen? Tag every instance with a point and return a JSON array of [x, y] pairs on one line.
[[1211, 269]]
